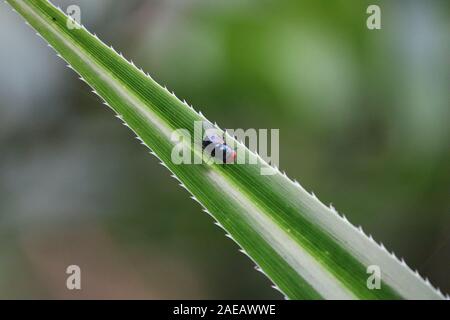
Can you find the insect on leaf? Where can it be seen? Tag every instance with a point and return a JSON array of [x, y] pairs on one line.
[[306, 248]]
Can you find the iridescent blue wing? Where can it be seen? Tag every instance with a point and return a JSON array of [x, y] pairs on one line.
[[212, 134]]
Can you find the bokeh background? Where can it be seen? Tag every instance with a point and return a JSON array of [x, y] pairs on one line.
[[363, 118]]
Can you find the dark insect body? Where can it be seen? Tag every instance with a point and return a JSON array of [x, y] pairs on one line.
[[217, 147]]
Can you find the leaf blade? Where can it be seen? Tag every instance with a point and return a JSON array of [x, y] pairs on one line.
[[304, 247]]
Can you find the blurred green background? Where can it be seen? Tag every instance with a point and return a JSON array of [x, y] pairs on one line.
[[363, 118]]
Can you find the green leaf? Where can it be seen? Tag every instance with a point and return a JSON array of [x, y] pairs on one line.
[[305, 248]]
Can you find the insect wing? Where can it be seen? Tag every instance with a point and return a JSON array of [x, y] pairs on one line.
[[213, 135]]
